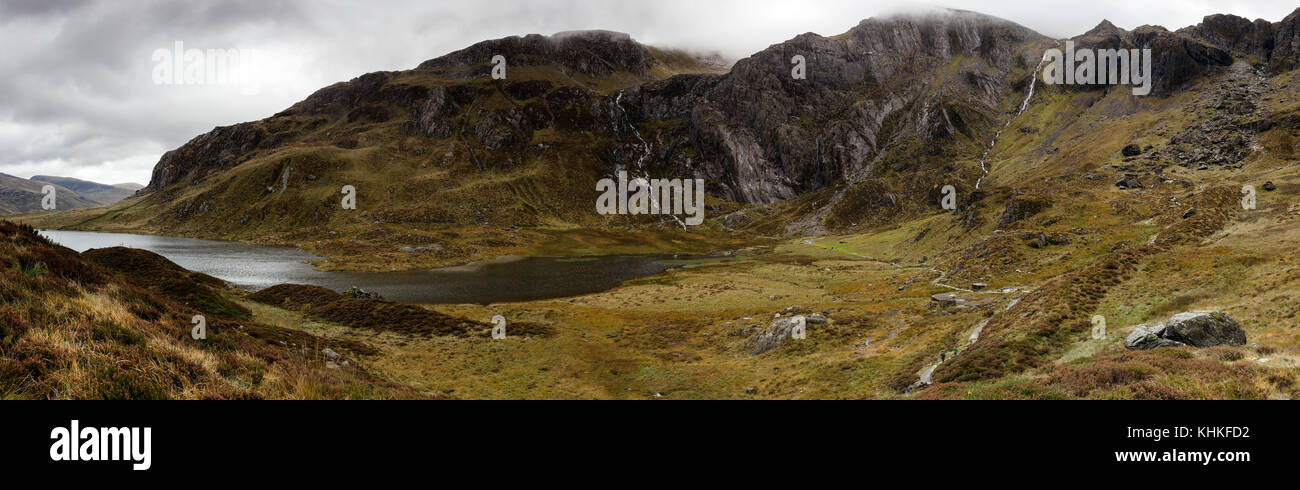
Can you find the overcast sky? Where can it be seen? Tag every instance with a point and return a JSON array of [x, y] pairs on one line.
[[78, 96]]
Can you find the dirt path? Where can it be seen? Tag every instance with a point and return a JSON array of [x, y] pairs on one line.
[[942, 275], [927, 375]]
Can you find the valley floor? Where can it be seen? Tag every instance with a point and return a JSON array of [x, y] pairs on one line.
[[684, 334]]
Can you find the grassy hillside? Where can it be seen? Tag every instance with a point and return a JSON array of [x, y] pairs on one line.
[[73, 328], [491, 187]]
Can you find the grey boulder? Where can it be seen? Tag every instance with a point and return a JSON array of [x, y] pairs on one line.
[[1205, 329], [944, 300], [775, 335], [1146, 337], [1197, 329]]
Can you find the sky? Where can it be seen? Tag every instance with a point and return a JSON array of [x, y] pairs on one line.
[[85, 91]]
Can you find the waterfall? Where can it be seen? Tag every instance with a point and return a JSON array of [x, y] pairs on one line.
[[640, 162], [1023, 106]]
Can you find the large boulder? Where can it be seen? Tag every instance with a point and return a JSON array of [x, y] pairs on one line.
[[1129, 182], [944, 300], [1205, 329], [775, 335], [1147, 337], [1197, 329]]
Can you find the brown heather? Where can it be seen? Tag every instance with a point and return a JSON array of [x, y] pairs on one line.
[[70, 328]]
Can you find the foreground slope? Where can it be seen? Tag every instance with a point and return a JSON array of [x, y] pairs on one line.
[[71, 326]]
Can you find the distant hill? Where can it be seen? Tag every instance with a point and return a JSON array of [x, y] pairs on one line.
[[19, 195], [93, 191]]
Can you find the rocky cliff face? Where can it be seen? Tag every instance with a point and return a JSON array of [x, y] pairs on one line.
[[206, 154], [1273, 44], [935, 78], [1286, 43], [564, 74]]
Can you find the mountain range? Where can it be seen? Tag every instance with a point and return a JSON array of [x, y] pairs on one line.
[[892, 110]]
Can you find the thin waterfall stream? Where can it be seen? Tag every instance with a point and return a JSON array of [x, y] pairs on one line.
[[1023, 106], [640, 162]]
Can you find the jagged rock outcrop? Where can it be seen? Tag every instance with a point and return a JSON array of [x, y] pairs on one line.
[[776, 334], [1177, 57], [1235, 34], [594, 53], [1275, 45], [767, 136], [1286, 43], [206, 154]]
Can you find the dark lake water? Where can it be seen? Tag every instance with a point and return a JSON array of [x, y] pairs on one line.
[[505, 280]]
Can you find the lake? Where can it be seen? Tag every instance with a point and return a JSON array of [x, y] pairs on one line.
[[504, 280]]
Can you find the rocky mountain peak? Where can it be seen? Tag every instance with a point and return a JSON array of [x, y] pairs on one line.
[[1105, 35], [755, 124], [1286, 43], [1105, 28], [1235, 34], [595, 53]]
